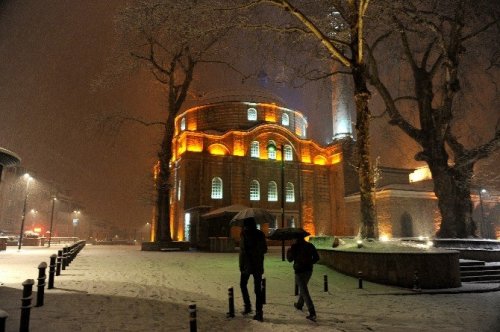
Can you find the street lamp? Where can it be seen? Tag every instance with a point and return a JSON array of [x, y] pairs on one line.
[[54, 199], [75, 221], [483, 228], [28, 179], [272, 147]]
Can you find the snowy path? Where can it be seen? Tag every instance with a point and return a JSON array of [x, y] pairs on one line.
[[120, 288]]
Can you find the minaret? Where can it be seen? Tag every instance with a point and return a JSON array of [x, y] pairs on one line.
[[342, 105]]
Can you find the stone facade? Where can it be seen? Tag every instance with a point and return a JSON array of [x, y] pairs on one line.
[[214, 143]]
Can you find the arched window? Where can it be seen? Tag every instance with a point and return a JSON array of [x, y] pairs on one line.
[[254, 190], [285, 120], [183, 124], [290, 192], [288, 152], [271, 152], [272, 192], [216, 188], [252, 114], [254, 149]]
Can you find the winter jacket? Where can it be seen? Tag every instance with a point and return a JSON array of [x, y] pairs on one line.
[[253, 246], [304, 255]]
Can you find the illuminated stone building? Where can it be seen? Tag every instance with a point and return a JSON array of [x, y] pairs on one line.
[[221, 161], [221, 158]]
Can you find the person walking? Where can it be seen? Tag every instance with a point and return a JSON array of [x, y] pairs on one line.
[[304, 255], [253, 246]]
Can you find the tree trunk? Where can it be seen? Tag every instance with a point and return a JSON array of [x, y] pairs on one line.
[[452, 189], [163, 185], [365, 170]]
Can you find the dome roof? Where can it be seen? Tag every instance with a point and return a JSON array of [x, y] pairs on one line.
[[246, 94]]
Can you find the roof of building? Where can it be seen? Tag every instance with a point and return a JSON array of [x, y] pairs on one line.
[[8, 158], [244, 94]]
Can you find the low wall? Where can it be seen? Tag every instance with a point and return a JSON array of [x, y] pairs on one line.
[[165, 246], [435, 269]]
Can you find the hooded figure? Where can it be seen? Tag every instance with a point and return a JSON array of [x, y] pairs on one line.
[[251, 260]]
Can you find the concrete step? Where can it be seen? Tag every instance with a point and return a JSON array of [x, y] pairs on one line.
[[490, 278], [466, 262], [479, 267], [480, 273]]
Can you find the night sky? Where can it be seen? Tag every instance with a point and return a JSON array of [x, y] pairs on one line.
[[51, 52]]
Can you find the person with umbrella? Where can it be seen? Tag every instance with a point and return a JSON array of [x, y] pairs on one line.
[[303, 255], [251, 260]]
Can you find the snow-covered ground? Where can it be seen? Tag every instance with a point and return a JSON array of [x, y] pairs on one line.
[[120, 288]]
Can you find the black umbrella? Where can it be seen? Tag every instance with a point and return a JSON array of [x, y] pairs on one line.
[[288, 233]]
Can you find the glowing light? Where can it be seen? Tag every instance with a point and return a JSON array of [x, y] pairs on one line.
[[430, 243], [319, 160], [218, 150], [359, 243], [336, 158], [37, 229], [194, 144], [420, 174], [238, 151], [270, 116], [192, 125], [384, 238]]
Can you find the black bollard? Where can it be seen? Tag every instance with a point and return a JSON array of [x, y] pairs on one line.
[[64, 258], [230, 294], [3, 320], [263, 289], [296, 291], [325, 283], [360, 280], [59, 262], [52, 271], [41, 284], [416, 282], [192, 318], [26, 305]]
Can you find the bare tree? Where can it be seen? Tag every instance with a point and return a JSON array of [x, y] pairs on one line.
[[338, 26], [170, 39], [433, 36]]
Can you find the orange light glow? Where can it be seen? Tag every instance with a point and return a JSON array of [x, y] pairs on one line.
[[306, 157], [192, 125], [336, 158], [319, 160], [195, 144], [37, 229], [218, 150], [239, 151], [238, 146], [270, 116]]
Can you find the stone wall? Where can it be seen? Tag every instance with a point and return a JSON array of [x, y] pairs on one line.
[[400, 213], [435, 270]]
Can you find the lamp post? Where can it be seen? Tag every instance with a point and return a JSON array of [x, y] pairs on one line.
[[28, 180], [54, 199], [75, 221], [483, 230], [272, 147]]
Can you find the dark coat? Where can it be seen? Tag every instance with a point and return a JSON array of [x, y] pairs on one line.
[[304, 255], [253, 246]]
